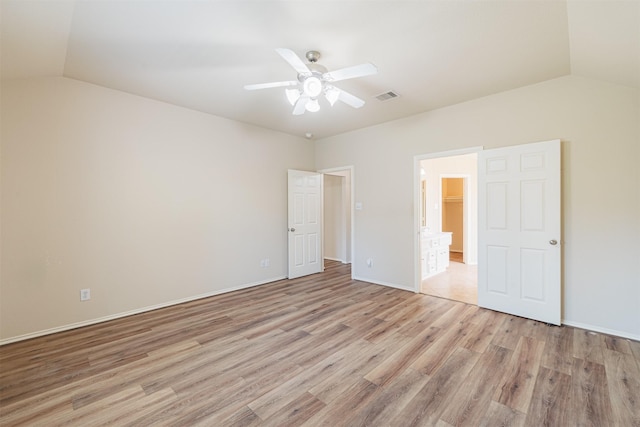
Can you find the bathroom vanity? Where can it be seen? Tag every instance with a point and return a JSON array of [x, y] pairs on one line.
[[435, 253]]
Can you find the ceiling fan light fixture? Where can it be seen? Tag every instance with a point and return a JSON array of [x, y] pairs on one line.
[[332, 95], [292, 95], [312, 86], [312, 105]]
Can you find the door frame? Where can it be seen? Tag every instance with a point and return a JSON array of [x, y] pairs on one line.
[[416, 203], [351, 189]]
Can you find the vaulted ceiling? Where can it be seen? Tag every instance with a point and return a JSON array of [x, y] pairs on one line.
[[200, 54]]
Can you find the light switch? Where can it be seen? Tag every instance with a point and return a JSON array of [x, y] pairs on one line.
[[358, 206]]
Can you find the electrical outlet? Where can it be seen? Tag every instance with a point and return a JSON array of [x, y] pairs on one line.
[[369, 262], [267, 262], [85, 294]]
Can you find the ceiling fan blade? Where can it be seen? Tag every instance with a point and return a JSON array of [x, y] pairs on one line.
[[293, 60], [361, 70], [300, 106], [349, 99], [270, 85]]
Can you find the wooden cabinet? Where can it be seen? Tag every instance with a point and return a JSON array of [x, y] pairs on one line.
[[435, 253]]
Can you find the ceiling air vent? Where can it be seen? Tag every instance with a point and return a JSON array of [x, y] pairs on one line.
[[387, 96]]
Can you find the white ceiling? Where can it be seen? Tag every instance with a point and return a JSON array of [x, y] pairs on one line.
[[200, 54]]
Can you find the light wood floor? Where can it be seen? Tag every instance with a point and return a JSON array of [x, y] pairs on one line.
[[321, 350]]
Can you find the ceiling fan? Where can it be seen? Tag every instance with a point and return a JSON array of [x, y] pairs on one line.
[[314, 80]]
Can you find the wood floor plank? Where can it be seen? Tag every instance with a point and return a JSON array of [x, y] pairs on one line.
[[429, 403], [324, 344], [452, 317], [277, 398], [242, 418], [588, 345], [590, 403], [623, 380], [98, 386], [394, 319], [436, 354], [617, 344], [390, 401], [501, 415], [635, 349], [206, 405], [401, 359], [510, 331], [351, 401], [471, 401], [519, 378], [203, 363], [342, 316], [296, 412], [430, 313], [35, 409], [321, 350], [362, 360], [550, 400], [481, 334], [559, 349], [97, 411]]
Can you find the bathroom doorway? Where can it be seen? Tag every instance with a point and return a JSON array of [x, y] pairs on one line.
[[448, 208]]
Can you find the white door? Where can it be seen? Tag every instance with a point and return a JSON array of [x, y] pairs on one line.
[[305, 224], [519, 230]]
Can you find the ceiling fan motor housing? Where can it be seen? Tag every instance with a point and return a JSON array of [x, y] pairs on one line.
[[313, 56], [312, 86]]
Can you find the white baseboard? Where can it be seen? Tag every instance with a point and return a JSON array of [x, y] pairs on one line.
[[132, 312], [601, 330], [336, 259], [250, 285], [564, 322], [390, 285]]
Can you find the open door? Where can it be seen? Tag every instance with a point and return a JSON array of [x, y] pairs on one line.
[[519, 231], [305, 223]]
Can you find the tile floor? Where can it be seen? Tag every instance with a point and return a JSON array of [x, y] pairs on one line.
[[458, 283]]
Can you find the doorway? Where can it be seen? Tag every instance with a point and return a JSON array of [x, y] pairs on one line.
[[337, 214], [448, 208]]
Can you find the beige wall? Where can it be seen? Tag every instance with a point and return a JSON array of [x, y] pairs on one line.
[[599, 126], [147, 203], [142, 202]]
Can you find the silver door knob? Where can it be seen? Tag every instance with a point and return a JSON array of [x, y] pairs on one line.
[[292, 229], [553, 242]]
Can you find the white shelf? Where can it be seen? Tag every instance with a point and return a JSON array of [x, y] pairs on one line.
[[452, 199]]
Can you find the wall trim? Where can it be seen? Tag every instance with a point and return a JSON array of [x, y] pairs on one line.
[[133, 312], [389, 285], [77, 325], [607, 331], [336, 259]]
